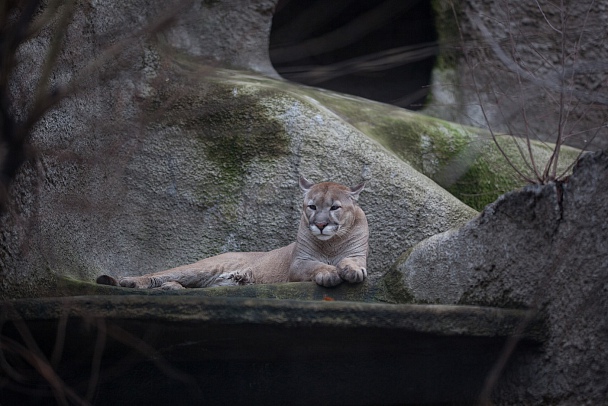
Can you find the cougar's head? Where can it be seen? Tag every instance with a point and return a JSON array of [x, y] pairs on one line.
[[329, 207]]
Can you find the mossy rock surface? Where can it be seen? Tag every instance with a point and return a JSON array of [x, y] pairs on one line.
[[467, 321], [309, 291], [215, 169], [464, 160]]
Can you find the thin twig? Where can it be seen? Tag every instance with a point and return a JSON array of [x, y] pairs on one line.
[[547, 20], [481, 103], [530, 153], [32, 354], [53, 52], [100, 344]]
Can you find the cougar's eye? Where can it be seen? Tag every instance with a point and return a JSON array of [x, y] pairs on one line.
[[312, 207], [332, 208]]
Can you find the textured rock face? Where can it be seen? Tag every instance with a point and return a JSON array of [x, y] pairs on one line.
[[229, 33], [169, 161], [514, 50], [541, 247], [464, 160]]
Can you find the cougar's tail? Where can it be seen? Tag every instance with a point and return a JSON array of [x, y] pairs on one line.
[[107, 280]]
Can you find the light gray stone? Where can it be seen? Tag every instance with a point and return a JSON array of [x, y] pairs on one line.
[[516, 63], [544, 247], [169, 160]]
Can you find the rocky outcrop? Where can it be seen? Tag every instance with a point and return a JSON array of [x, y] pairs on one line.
[[169, 160], [215, 170], [544, 248], [464, 160], [183, 150], [518, 56], [161, 158]]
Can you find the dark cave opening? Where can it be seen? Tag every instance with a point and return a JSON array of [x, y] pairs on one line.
[[383, 50]]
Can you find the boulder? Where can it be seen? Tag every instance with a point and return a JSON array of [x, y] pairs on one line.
[[464, 160], [505, 56], [171, 160], [544, 248], [167, 153]]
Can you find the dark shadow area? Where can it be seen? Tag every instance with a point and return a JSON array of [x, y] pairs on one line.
[[380, 50], [186, 350], [252, 364]]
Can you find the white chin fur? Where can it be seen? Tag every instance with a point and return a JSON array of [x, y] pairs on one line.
[[329, 232]]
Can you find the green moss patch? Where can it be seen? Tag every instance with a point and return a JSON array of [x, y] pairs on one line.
[[490, 174], [233, 127], [463, 160], [295, 290]]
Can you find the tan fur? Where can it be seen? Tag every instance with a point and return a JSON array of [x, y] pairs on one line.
[[331, 247]]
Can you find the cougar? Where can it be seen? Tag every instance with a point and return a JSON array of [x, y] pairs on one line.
[[331, 247]]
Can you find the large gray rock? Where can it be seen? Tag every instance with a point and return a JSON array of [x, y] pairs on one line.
[[171, 161], [520, 62], [466, 161], [543, 247]]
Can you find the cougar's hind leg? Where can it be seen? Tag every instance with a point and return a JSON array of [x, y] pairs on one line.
[[172, 285], [234, 278], [185, 276], [222, 270]]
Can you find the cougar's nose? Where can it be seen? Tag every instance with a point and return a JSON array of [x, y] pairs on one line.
[[320, 226]]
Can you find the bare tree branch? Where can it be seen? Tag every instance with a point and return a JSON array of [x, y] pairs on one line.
[[481, 103]]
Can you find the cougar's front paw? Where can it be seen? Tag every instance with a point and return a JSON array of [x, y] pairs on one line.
[[327, 278], [352, 273]]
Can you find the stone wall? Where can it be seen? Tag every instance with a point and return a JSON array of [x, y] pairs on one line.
[[515, 67], [164, 157]]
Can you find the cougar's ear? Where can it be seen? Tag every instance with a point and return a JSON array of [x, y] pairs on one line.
[[305, 184], [356, 190]]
